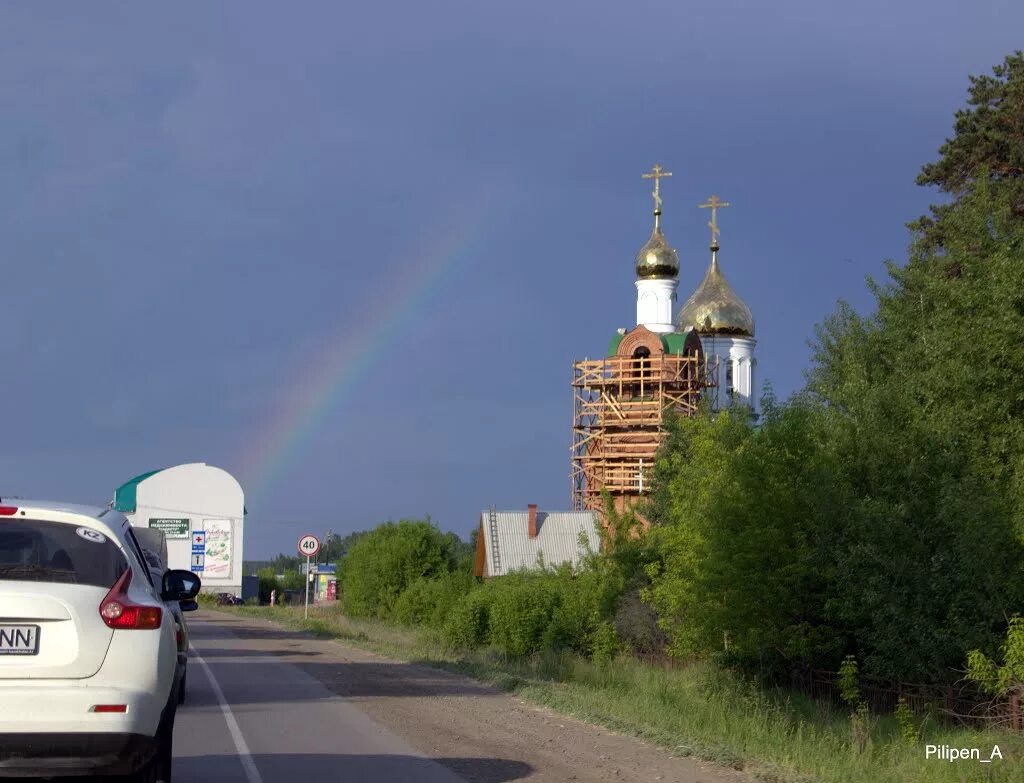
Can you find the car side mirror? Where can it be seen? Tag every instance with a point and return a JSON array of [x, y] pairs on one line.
[[180, 585]]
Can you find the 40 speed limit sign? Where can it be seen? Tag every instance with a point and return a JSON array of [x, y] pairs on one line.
[[309, 546]]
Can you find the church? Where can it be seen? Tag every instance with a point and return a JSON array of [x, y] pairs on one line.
[[669, 361]]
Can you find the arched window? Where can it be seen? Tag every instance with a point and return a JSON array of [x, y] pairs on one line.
[[642, 364]]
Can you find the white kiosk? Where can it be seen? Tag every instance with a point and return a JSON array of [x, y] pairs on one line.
[[201, 511]]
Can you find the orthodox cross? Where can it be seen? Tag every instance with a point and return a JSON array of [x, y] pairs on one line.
[[714, 204], [656, 174]]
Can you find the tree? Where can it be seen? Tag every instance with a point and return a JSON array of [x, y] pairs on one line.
[[746, 558], [382, 563], [1008, 677], [988, 143], [881, 513]]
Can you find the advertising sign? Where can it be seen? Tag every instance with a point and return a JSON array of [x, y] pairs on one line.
[[172, 527], [218, 548]]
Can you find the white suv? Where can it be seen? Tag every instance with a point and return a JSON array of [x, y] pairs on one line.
[[89, 673]]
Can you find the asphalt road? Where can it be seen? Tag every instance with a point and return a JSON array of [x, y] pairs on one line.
[[270, 705], [253, 717]]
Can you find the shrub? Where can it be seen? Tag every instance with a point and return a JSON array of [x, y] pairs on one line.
[[468, 623], [605, 644], [636, 626], [429, 601], [268, 582], [520, 613], [383, 563]]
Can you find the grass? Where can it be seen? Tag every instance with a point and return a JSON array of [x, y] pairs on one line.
[[699, 710]]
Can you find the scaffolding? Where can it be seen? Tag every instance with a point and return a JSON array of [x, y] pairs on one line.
[[619, 411]]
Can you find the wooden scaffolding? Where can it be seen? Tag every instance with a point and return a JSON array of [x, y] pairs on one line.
[[619, 410]]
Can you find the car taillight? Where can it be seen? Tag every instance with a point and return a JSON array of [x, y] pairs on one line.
[[8, 511], [119, 612]]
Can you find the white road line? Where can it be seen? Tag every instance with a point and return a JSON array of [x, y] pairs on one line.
[[251, 772]]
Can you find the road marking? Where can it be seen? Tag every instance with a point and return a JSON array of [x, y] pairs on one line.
[[251, 772]]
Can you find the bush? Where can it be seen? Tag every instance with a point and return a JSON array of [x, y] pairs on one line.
[[605, 644], [521, 614], [268, 582], [636, 626], [469, 620], [382, 564], [429, 601], [544, 610]]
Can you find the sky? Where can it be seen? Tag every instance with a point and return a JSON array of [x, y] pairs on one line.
[[349, 251]]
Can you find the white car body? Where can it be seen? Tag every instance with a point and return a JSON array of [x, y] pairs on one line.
[[49, 723]]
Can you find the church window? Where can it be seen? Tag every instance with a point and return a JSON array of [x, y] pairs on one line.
[[729, 389], [642, 364]]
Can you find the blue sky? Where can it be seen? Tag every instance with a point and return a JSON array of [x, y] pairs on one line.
[[195, 199]]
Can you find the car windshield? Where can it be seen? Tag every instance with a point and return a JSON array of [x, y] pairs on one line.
[[41, 551]]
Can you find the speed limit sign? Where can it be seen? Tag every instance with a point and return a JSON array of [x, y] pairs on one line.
[[309, 546]]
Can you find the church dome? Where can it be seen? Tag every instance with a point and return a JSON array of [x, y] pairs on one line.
[[715, 308], [657, 258]]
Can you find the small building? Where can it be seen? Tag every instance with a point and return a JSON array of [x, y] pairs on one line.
[[516, 540], [201, 511]]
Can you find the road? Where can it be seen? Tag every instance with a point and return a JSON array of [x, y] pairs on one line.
[[267, 705]]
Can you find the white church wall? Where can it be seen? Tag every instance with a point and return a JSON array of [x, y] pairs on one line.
[[735, 354], [654, 304]]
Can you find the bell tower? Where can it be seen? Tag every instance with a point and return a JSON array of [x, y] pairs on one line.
[[657, 270]]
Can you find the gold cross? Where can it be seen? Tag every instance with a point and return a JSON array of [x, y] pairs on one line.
[[714, 203], [656, 173]]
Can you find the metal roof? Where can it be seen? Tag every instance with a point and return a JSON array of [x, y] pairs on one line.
[[558, 539]]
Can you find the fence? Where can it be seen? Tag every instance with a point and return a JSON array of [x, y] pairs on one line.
[[963, 703]]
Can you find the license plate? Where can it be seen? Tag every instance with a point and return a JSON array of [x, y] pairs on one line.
[[19, 639]]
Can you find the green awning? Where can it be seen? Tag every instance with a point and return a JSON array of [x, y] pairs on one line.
[[124, 495]]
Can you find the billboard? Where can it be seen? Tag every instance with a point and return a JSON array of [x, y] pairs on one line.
[[218, 554]]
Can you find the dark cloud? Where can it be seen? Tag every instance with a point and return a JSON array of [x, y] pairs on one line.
[[196, 197]]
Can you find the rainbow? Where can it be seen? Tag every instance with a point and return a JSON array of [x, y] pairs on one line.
[[358, 342]]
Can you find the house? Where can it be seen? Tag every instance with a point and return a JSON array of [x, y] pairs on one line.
[[516, 540]]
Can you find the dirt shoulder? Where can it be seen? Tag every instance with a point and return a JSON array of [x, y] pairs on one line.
[[450, 716]]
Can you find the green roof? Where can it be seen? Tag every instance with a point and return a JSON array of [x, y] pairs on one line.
[[124, 495], [674, 342], [613, 346]]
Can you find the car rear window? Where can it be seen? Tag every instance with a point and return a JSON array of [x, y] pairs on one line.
[[39, 551]]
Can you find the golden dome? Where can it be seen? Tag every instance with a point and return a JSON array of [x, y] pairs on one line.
[[714, 307], [657, 258]]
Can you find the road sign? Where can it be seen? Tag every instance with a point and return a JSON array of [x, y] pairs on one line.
[[198, 563], [198, 542], [309, 546]]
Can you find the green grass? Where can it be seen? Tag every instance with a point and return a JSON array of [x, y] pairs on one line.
[[699, 710]]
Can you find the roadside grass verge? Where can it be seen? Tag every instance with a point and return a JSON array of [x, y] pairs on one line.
[[698, 710]]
